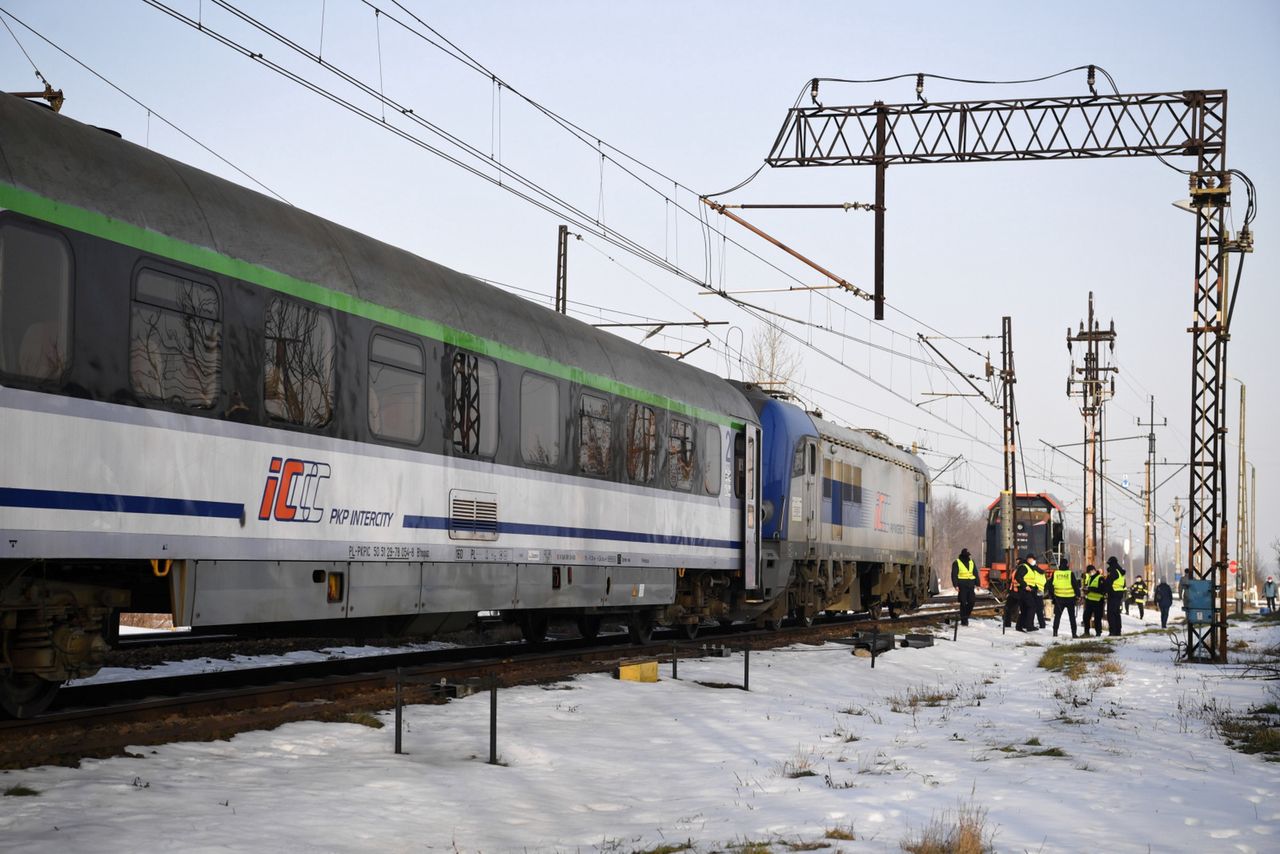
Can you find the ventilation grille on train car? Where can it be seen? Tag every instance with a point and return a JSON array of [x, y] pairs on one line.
[[473, 515]]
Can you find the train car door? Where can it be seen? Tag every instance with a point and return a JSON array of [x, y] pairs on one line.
[[812, 494], [747, 451]]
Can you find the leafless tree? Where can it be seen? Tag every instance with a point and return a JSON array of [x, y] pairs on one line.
[[774, 363], [956, 525]]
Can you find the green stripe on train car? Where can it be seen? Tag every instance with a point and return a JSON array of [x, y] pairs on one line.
[[100, 225]]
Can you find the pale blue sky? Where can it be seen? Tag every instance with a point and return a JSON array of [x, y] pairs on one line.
[[698, 91]]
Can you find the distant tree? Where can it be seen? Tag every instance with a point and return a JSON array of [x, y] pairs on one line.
[[956, 525], [774, 363]]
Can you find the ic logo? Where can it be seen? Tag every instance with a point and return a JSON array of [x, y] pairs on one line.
[[292, 491], [882, 501]]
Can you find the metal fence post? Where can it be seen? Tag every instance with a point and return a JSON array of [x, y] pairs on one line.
[[675, 661], [493, 722], [746, 668], [875, 643], [399, 703]]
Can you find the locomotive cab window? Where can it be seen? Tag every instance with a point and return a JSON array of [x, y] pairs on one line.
[[711, 464], [539, 420], [474, 410], [595, 435], [35, 303], [680, 455], [298, 377], [642, 443], [175, 339], [397, 389]]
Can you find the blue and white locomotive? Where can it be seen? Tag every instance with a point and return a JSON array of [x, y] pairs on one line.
[[218, 406]]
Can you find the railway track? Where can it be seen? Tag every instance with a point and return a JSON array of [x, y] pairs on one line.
[[107, 719]]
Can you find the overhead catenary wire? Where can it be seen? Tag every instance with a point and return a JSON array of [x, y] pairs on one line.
[[150, 110], [548, 203]]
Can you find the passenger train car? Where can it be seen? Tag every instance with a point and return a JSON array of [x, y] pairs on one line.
[[219, 406]]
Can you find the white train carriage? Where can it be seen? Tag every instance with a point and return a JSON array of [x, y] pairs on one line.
[[220, 406]]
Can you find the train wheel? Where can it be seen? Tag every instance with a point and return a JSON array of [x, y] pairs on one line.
[[589, 626], [640, 627], [25, 696], [772, 625], [688, 631]]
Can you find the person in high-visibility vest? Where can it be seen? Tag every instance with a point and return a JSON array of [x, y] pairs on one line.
[[1137, 596], [1025, 578], [1094, 595], [964, 577], [1065, 591], [1115, 587], [1038, 581]]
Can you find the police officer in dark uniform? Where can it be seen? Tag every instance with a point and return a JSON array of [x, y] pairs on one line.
[[964, 577], [1065, 590], [1115, 587]]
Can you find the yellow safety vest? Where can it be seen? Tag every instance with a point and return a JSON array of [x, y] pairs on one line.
[[965, 571], [1091, 588], [1118, 583], [1035, 579], [1062, 588]]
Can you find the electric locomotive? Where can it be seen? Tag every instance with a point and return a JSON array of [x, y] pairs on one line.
[[845, 522]]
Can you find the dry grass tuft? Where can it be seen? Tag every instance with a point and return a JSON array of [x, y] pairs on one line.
[[960, 831]]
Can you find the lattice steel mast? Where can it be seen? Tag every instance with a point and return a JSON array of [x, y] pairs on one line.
[[1094, 390], [1189, 123]]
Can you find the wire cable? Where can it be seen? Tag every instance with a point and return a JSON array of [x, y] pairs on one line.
[[150, 111]]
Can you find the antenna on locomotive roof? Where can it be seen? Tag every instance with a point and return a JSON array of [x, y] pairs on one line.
[[53, 96]]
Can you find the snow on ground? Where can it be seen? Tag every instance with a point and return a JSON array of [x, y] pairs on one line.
[[191, 666], [599, 764]]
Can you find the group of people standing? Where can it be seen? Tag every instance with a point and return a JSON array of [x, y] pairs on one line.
[[1097, 589]]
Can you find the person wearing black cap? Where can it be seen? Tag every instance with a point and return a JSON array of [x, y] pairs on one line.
[[1115, 587], [1164, 599], [1025, 576], [964, 576]]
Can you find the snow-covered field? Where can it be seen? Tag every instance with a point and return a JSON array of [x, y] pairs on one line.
[[599, 764]]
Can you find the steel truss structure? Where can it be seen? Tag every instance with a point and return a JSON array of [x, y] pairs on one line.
[[1190, 123], [1094, 392]]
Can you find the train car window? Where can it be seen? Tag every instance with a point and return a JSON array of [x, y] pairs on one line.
[[397, 389], [826, 478], [711, 465], [813, 459], [739, 465], [595, 432], [680, 455], [298, 380], [474, 413], [539, 420], [35, 303], [797, 462], [855, 485], [175, 339], [642, 443]]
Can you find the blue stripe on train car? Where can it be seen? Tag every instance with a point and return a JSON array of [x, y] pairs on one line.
[[919, 518], [441, 523], [57, 499]]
